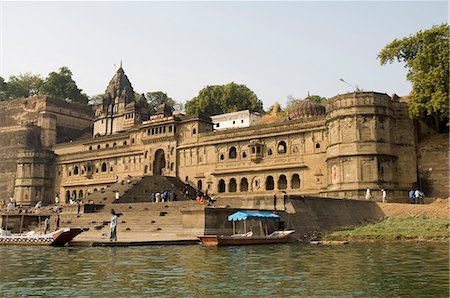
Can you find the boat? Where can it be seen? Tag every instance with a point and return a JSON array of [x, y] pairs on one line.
[[57, 238], [248, 238]]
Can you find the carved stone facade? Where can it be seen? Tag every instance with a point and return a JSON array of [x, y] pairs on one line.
[[364, 140]]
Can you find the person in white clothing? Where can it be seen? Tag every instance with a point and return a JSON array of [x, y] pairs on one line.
[[113, 226], [368, 194], [383, 196], [117, 195]]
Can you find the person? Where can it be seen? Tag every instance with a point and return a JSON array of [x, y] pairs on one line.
[[421, 198], [411, 196], [116, 178], [56, 200], [171, 196], [158, 197], [79, 206], [417, 196], [9, 207], [152, 197], [185, 192], [13, 200], [383, 196], [57, 223], [284, 200], [164, 196], [128, 179], [174, 196], [37, 207], [113, 226], [368, 194], [274, 202], [117, 195], [47, 225]]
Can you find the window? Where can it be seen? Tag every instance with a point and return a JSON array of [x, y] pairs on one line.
[[232, 154], [217, 124], [232, 185], [282, 147], [104, 167], [199, 185], [269, 183], [243, 185], [125, 143], [317, 146], [242, 121], [107, 146], [194, 131], [234, 122], [244, 154], [222, 157], [269, 152], [132, 141], [98, 146], [75, 170], [221, 186], [90, 148], [170, 128], [282, 182], [295, 181], [114, 144]]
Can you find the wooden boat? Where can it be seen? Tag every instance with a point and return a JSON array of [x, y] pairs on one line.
[[58, 238], [248, 238], [244, 239]]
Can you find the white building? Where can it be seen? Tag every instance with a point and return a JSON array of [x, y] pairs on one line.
[[234, 120]]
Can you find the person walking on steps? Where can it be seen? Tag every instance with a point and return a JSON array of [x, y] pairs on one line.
[[113, 226]]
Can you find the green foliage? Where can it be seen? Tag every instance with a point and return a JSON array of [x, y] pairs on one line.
[[157, 98], [426, 55], [3, 89], [219, 99], [60, 84], [24, 85], [396, 228]]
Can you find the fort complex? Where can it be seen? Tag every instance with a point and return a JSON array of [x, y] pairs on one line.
[[356, 141]]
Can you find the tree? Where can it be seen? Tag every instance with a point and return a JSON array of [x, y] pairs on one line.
[[3, 89], [24, 85], [60, 84], [157, 98], [426, 55], [219, 99]]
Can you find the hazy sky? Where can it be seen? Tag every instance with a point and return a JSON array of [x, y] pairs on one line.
[[275, 48]]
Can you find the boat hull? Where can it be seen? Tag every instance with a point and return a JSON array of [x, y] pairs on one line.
[[220, 240], [58, 238]]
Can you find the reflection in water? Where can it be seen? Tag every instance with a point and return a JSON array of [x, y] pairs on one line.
[[359, 270]]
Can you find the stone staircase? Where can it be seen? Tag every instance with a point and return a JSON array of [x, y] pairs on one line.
[[136, 222]]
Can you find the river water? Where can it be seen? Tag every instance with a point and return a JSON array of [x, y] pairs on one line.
[[288, 270]]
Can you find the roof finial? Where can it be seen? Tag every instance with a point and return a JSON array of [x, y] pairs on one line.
[[306, 96], [120, 63]]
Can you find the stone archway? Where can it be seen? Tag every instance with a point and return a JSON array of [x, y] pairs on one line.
[[159, 163]]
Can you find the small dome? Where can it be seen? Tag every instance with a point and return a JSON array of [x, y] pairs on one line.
[[306, 108]]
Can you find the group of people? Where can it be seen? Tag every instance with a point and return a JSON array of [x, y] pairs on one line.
[[383, 195], [416, 197], [163, 196], [204, 198]]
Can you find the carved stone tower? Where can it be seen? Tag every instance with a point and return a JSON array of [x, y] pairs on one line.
[[119, 110]]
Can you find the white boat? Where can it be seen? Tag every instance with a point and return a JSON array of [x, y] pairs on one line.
[[57, 238]]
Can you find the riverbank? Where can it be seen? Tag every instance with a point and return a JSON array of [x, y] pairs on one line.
[[403, 222]]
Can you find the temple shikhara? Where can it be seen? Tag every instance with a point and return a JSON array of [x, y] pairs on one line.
[[356, 141]]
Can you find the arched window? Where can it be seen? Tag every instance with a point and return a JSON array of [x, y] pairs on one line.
[[104, 167], [232, 185], [75, 170], [232, 154], [98, 146], [67, 196], [194, 131], [244, 154], [269, 152], [145, 154], [80, 194], [145, 169], [199, 185], [317, 145], [171, 166], [171, 150], [221, 186], [243, 185], [282, 149], [269, 183], [282, 182], [107, 146], [90, 148], [222, 157], [295, 181], [125, 143], [170, 128], [74, 195], [114, 144], [132, 141]]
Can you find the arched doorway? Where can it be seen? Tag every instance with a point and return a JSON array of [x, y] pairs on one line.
[[159, 163]]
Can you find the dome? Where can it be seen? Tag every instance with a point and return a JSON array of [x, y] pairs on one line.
[[306, 108]]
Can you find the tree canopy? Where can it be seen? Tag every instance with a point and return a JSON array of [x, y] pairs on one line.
[[157, 98], [23, 85], [219, 99], [426, 56], [58, 84]]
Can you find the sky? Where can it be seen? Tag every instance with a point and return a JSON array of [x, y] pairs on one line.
[[277, 49]]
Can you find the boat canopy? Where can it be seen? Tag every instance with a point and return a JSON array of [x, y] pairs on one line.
[[257, 215]]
